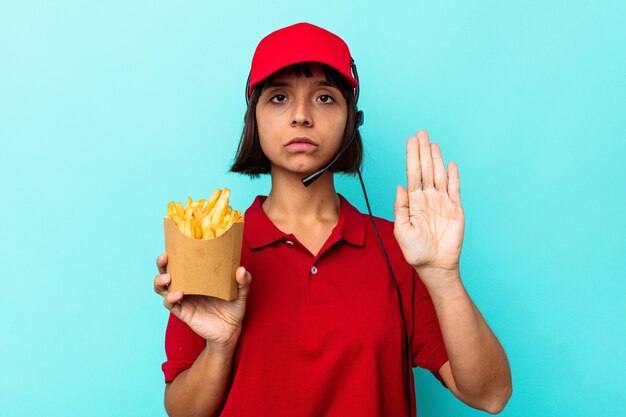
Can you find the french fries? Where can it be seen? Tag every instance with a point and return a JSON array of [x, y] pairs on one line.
[[204, 219]]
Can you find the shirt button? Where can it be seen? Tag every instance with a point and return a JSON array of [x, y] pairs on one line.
[[314, 270], [290, 243]]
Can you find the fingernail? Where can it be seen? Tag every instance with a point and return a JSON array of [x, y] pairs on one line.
[[165, 278]]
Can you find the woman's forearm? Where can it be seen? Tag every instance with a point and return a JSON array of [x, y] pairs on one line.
[[202, 389], [478, 363]]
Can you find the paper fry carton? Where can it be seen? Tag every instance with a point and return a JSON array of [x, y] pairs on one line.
[[205, 267]]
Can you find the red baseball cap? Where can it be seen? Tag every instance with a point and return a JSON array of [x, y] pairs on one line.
[[302, 42]]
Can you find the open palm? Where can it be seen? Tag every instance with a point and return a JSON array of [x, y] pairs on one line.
[[429, 217]]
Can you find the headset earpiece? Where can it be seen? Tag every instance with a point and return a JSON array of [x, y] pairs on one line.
[[360, 118]]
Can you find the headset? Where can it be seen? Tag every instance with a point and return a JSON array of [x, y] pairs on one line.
[[309, 179]]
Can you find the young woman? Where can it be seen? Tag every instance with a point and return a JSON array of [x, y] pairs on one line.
[[322, 329]]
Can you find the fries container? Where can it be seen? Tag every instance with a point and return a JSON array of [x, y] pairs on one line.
[[205, 267]]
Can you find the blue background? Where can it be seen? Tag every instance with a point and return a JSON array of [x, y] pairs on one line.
[[108, 110]]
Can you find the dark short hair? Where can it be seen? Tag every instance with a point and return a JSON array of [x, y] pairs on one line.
[[250, 159]]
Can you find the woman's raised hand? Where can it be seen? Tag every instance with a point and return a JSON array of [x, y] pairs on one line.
[[429, 217], [216, 320]]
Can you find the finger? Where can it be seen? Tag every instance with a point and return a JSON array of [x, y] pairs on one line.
[[454, 183], [441, 178], [243, 283], [401, 206], [162, 263], [172, 302], [413, 167], [161, 282], [425, 159]]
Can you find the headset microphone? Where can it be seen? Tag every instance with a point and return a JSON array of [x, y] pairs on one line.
[[308, 180]]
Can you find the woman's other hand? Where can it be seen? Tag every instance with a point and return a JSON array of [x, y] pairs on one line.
[[429, 217], [216, 320]]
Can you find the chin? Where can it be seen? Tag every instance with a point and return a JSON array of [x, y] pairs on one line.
[[296, 169]]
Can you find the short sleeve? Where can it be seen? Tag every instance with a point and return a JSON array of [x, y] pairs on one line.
[[182, 348], [427, 348]]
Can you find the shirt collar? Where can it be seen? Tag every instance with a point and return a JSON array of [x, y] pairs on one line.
[[259, 230]]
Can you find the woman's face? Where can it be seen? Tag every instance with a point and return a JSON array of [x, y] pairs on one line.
[[301, 121]]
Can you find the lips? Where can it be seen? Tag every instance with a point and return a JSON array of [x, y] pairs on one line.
[[301, 144], [301, 139]]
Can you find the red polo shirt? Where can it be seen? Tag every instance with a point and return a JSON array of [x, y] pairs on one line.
[[322, 335]]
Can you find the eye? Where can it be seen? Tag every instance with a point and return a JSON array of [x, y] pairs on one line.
[[278, 98], [325, 98]]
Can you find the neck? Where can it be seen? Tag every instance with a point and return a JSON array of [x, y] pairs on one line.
[[290, 201]]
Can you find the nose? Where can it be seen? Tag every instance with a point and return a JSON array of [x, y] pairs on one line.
[[301, 113]]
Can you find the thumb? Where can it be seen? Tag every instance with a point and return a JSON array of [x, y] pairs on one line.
[[243, 282], [401, 206]]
